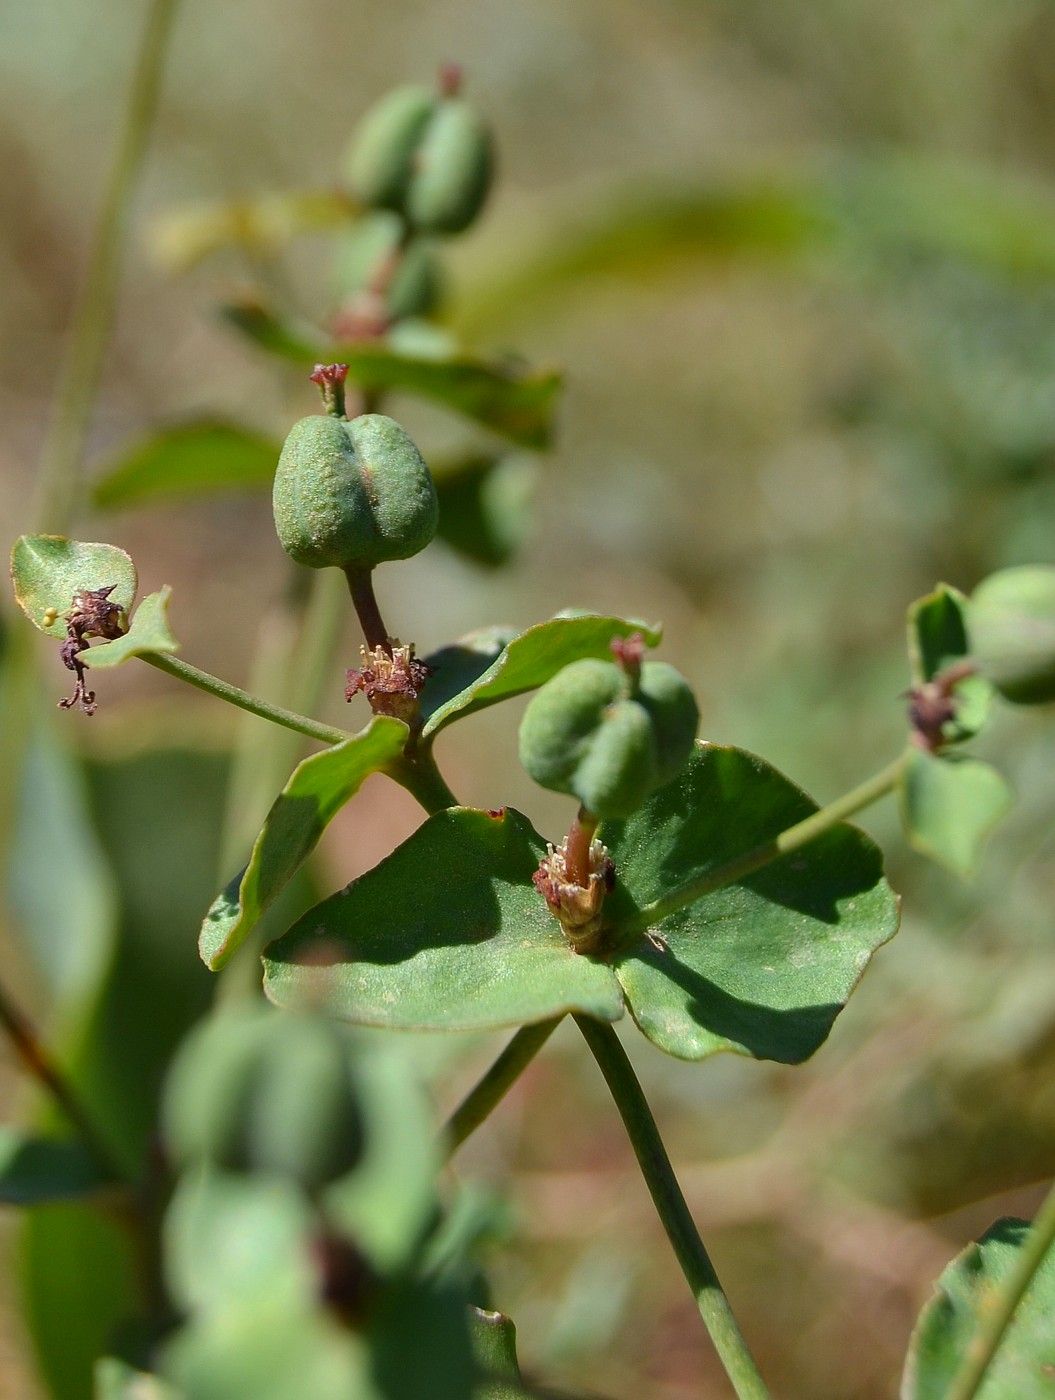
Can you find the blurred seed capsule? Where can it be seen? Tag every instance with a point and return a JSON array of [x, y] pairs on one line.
[[416, 286], [1011, 627]]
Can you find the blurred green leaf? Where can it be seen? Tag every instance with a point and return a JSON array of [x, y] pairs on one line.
[[524, 663], [512, 401], [485, 505], [316, 791], [47, 570], [761, 966], [949, 804], [36, 1169], [117, 1380], [149, 633], [447, 933], [1011, 618], [262, 224], [937, 632], [186, 459], [1022, 1366]]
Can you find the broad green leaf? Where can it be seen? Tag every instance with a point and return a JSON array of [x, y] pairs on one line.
[[485, 506], [526, 662], [316, 791], [1024, 1363], [949, 804], [937, 638], [447, 933], [510, 400], [761, 966], [34, 1170], [148, 634], [186, 459], [47, 570], [1011, 617], [263, 224]]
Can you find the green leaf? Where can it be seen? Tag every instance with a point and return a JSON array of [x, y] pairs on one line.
[[761, 966], [1023, 1365], [316, 791], [117, 1380], [447, 933], [263, 224], [525, 663], [47, 570], [34, 1170], [510, 400], [1011, 617], [937, 639], [494, 1342], [149, 634], [185, 460], [485, 506], [949, 804]]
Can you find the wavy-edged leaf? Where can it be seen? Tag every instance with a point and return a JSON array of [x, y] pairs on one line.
[[513, 401], [524, 663], [316, 791], [447, 933], [35, 1170], [149, 634], [761, 966], [1024, 1363], [949, 805], [186, 459], [47, 570]]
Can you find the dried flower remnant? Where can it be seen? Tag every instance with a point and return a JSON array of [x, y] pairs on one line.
[[933, 704], [576, 906], [391, 683], [92, 614]]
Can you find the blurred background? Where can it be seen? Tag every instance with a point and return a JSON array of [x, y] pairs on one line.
[[798, 264]]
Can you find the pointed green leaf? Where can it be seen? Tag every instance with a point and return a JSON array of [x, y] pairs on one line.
[[148, 634], [485, 506], [47, 570], [1011, 617], [949, 804], [184, 460], [526, 662], [447, 933], [317, 790], [761, 966], [1024, 1363], [513, 401], [35, 1170]]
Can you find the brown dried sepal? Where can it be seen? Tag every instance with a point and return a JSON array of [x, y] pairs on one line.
[[577, 908], [932, 705], [391, 683], [91, 614]]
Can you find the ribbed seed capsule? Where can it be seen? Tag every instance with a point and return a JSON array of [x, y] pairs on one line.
[[352, 493]]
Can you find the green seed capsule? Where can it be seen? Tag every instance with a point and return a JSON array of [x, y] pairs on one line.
[[352, 493], [416, 288], [261, 1091], [591, 733], [1011, 627], [425, 155]]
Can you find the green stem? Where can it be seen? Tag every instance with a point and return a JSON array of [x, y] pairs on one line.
[[997, 1313], [672, 1208], [423, 780], [801, 834], [234, 695], [489, 1091], [82, 364]]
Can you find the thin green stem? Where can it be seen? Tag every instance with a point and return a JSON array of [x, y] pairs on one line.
[[489, 1091], [420, 776], [82, 365], [801, 834], [997, 1312], [234, 695], [673, 1211]]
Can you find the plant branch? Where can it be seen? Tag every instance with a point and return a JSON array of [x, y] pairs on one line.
[[92, 319], [423, 780], [38, 1062], [672, 1208], [997, 1313], [364, 600], [234, 695], [489, 1091], [801, 834]]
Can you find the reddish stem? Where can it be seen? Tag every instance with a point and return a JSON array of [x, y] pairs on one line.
[[361, 587], [577, 848]]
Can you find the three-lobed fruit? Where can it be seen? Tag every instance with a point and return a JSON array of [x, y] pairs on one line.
[[264, 1091], [594, 734], [424, 154], [352, 493], [1011, 627]]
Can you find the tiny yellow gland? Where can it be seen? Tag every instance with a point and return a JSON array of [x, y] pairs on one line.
[[51, 616]]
